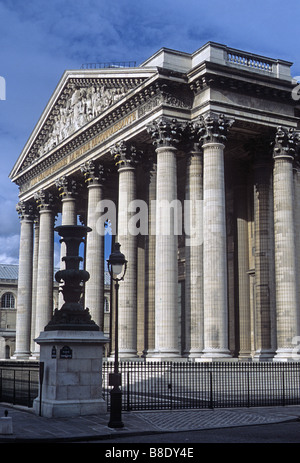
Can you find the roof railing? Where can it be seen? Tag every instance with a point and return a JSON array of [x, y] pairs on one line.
[[114, 64], [249, 60]]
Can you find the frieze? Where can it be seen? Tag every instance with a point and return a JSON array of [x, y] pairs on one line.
[[51, 167]]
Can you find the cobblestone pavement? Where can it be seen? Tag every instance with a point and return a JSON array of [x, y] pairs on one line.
[[206, 419], [29, 427]]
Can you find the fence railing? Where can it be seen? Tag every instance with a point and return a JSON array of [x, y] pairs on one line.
[[175, 385], [19, 382], [183, 385]]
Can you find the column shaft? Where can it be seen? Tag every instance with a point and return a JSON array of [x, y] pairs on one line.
[[263, 262], [94, 287], [193, 221], [214, 253], [166, 268], [150, 267], [23, 320], [243, 269], [44, 297], [285, 253], [34, 281], [128, 287]]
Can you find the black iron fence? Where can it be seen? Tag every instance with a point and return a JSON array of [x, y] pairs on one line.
[[175, 385], [183, 385], [19, 382]]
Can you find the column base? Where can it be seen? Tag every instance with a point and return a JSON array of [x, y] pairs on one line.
[[215, 354], [264, 355], [193, 354], [245, 355], [124, 355], [163, 356], [287, 355], [21, 356]]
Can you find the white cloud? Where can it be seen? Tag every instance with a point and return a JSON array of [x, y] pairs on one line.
[[9, 249]]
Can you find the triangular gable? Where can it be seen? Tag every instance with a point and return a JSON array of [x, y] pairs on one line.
[[79, 98]]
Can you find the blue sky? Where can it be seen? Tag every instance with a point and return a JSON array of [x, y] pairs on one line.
[[40, 39]]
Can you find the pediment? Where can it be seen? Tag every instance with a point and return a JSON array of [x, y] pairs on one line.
[[80, 97]]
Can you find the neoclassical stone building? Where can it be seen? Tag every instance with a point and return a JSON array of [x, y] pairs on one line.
[[198, 154]]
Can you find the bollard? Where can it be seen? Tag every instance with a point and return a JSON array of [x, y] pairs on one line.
[[6, 425]]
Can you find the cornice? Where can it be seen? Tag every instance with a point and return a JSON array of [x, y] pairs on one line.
[[212, 75]]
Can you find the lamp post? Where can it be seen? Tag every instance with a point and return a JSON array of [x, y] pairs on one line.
[[117, 265]]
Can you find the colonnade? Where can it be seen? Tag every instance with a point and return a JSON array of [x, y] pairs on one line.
[[206, 259]]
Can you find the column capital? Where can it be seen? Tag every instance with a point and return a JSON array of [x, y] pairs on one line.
[[67, 187], [94, 172], [165, 132], [125, 154], [26, 210], [45, 200], [285, 144], [212, 128]]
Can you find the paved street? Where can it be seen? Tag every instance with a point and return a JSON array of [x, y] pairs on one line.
[[283, 433], [155, 426]]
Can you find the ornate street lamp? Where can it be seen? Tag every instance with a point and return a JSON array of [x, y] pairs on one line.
[[72, 315], [117, 265]]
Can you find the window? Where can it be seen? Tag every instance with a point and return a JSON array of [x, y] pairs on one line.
[[106, 305], [7, 301]]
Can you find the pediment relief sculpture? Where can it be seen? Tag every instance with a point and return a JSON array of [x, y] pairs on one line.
[[78, 105]]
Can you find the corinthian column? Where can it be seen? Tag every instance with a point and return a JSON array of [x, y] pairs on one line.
[[242, 244], [94, 288], [285, 250], [67, 192], [126, 157], [214, 239], [263, 237], [44, 296], [193, 210], [166, 134], [24, 304], [150, 265], [34, 278]]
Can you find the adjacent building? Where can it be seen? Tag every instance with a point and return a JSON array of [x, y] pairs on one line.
[[192, 161]]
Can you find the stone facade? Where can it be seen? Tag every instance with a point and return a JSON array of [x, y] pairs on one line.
[[192, 160]]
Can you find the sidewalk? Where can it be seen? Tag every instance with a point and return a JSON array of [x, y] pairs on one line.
[[28, 427]]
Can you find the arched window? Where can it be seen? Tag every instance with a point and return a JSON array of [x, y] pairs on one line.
[[7, 301]]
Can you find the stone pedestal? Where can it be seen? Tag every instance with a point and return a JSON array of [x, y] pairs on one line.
[[72, 380]]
